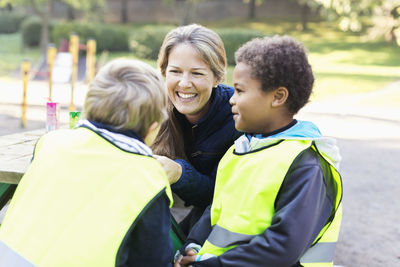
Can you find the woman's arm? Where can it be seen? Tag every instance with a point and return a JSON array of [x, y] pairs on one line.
[[194, 187]]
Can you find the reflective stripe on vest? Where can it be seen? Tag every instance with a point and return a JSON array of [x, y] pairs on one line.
[[79, 212], [320, 252], [9, 257], [237, 220], [223, 238]]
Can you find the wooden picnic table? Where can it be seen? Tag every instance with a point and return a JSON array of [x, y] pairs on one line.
[[16, 153]]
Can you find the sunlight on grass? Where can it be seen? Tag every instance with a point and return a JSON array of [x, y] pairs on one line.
[[12, 53], [332, 84]]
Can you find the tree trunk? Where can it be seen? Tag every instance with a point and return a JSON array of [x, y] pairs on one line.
[[305, 13], [70, 13], [252, 9], [185, 10], [45, 15], [124, 11], [9, 7]]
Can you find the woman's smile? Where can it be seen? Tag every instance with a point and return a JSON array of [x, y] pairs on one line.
[[186, 96]]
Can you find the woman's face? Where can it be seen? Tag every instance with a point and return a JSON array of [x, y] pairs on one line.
[[189, 81]]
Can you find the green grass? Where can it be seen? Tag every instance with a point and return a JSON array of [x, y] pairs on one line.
[[12, 53], [342, 62]]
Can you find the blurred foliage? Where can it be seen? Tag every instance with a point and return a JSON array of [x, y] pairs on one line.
[[343, 62], [10, 21], [43, 9], [380, 18], [233, 38], [146, 41], [31, 29], [107, 37]]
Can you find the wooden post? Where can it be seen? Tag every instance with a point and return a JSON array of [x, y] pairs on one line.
[[90, 59], [51, 56], [25, 68], [74, 50]]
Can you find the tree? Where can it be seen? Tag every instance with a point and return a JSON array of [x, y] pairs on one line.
[[307, 7], [124, 11], [252, 7], [185, 9], [43, 9]]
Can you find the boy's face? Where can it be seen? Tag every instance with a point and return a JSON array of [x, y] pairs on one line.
[[251, 107]]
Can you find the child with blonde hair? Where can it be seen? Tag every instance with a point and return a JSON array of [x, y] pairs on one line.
[[95, 195]]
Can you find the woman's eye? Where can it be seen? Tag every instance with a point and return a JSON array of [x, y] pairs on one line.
[[173, 71], [197, 73]]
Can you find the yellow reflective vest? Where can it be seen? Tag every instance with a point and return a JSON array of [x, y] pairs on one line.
[[243, 208], [78, 201]]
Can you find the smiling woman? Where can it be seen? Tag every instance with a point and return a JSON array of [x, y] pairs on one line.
[[200, 127], [189, 82]]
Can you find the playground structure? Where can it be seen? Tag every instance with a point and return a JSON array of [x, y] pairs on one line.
[[61, 67]]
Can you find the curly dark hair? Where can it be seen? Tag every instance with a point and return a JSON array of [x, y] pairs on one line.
[[279, 61]]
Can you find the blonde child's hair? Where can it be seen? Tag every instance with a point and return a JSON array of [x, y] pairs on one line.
[[127, 94]]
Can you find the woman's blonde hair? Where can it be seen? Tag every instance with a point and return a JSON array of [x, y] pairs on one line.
[[127, 94], [169, 141]]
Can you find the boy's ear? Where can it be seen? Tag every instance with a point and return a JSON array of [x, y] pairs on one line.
[[280, 96], [151, 133]]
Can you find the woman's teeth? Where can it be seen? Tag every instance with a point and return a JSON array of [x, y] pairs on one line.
[[181, 95]]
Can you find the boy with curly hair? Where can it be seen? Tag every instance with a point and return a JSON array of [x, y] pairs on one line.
[[278, 192]]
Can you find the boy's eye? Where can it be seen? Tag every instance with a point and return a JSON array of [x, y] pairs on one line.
[[174, 71], [238, 90], [197, 73]]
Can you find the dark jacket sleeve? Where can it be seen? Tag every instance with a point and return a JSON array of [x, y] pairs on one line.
[[303, 207], [200, 230], [194, 187], [149, 243]]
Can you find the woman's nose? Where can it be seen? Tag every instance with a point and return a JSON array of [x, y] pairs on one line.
[[185, 81]]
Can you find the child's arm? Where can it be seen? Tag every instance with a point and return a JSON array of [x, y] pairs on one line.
[[200, 231], [149, 243], [303, 207]]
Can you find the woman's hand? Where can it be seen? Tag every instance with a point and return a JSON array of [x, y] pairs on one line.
[[173, 169]]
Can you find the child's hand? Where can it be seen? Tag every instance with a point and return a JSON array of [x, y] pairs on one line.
[[186, 260], [173, 169]]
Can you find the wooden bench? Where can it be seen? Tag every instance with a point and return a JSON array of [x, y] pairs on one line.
[[15, 155]]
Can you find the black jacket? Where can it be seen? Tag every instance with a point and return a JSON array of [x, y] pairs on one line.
[[205, 143]]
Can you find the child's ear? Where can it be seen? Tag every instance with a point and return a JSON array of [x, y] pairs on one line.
[[281, 94], [151, 133]]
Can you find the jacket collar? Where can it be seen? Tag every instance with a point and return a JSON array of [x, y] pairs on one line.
[[301, 130], [124, 139]]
